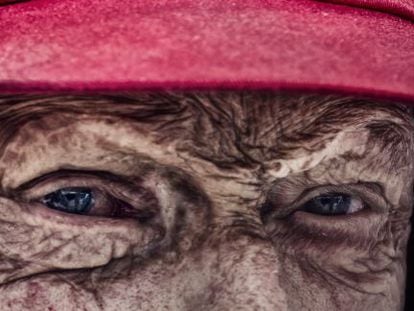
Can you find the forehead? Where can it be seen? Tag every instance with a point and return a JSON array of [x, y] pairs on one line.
[[244, 126], [241, 110], [266, 124]]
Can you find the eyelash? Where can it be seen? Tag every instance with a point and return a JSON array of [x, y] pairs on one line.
[[301, 228], [113, 197], [276, 205]]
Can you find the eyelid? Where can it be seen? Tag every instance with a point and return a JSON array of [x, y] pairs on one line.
[[104, 183], [369, 193], [55, 183], [293, 224]]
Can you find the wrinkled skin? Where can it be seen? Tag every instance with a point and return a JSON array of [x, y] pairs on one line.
[[210, 189]]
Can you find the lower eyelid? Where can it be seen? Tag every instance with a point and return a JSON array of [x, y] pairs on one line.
[[95, 243], [37, 214], [350, 229], [333, 221]]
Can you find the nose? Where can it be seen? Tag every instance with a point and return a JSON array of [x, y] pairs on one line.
[[242, 274]]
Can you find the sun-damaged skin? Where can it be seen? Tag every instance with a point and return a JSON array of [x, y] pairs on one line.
[[210, 189]]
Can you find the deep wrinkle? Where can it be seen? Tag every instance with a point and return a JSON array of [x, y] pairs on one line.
[[212, 160]]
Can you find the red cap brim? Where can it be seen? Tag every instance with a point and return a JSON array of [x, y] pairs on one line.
[[112, 45]]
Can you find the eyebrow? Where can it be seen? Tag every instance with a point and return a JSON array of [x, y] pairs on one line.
[[160, 107], [66, 172], [16, 111]]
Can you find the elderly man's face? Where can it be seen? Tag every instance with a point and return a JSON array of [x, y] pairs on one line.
[[207, 201]]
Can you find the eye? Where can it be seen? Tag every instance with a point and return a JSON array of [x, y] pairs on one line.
[[91, 193], [76, 200], [333, 204]]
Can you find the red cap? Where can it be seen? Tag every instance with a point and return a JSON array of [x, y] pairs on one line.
[[353, 46]]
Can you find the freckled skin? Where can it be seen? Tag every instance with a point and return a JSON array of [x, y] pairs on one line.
[[214, 184]]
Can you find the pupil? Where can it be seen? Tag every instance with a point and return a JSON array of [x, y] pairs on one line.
[[71, 200], [70, 196]]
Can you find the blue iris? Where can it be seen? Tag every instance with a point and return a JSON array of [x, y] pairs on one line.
[[330, 204], [75, 200]]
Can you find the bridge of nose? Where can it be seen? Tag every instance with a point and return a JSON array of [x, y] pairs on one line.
[[241, 274]]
